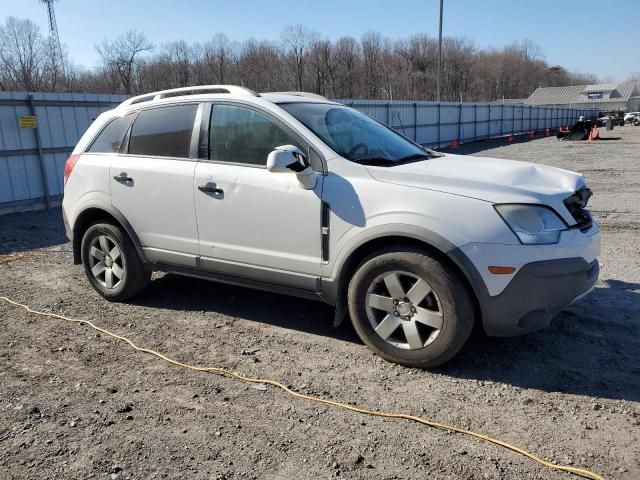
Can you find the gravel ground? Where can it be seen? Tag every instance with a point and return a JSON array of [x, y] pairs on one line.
[[75, 404]]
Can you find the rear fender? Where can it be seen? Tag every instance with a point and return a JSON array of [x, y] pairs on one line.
[[96, 211]]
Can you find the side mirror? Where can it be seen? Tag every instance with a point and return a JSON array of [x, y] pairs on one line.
[[289, 158]]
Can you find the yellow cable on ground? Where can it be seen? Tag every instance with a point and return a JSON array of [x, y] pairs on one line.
[[6, 259], [232, 374]]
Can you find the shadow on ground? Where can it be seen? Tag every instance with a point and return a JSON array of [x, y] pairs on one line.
[[590, 349], [21, 232], [174, 292], [583, 352]]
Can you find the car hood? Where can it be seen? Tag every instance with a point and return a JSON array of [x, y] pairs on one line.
[[489, 179]]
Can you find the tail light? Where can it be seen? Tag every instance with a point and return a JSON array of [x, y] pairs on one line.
[[68, 166]]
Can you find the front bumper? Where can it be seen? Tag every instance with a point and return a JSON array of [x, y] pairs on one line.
[[537, 292], [573, 244]]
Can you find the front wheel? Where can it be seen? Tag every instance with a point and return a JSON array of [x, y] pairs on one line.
[[111, 262], [410, 308]]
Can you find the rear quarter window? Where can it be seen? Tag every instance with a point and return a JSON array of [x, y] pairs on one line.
[[111, 136], [163, 132]]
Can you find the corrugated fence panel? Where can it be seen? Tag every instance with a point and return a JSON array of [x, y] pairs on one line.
[[469, 120], [63, 118], [482, 122]]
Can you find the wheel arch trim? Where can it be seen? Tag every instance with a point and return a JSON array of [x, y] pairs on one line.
[[334, 287], [94, 210]]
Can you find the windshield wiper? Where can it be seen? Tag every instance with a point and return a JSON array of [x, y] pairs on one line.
[[382, 161], [373, 161], [415, 156]]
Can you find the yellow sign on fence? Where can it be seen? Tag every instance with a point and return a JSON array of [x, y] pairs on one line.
[[28, 121]]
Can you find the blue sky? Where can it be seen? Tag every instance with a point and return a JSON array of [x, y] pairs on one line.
[[558, 26]]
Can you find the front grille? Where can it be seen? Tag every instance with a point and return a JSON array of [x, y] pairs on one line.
[[576, 204]]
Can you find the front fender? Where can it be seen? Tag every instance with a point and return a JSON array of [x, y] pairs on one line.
[[334, 286], [409, 230]]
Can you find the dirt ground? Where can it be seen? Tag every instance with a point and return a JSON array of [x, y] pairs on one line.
[[75, 404]]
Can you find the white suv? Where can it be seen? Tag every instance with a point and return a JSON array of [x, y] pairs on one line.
[[292, 193]]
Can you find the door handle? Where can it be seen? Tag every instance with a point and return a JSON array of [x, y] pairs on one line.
[[123, 178], [211, 188]]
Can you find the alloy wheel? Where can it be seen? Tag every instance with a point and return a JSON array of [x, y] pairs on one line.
[[106, 261], [404, 310]]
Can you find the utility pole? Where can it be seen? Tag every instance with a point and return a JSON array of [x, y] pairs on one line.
[[55, 48], [439, 53]]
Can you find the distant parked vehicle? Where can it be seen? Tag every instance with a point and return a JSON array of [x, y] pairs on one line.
[[631, 116], [617, 121]]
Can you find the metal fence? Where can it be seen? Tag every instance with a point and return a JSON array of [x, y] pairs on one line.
[[33, 150], [437, 124]]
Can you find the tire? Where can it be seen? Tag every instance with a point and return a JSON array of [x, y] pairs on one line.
[[111, 262], [446, 305]]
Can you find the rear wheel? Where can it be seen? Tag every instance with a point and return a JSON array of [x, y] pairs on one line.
[[410, 308], [111, 262]]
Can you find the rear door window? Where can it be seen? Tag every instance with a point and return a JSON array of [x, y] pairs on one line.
[[111, 136], [163, 132]]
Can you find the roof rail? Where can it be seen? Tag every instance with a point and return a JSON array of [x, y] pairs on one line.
[[301, 94], [176, 92]]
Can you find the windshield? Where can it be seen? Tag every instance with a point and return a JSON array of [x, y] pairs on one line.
[[355, 136]]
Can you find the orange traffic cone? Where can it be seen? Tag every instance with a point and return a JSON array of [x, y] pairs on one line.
[[510, 138], [454, 144]]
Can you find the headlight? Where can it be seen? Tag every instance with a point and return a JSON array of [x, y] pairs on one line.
[[532, 224]]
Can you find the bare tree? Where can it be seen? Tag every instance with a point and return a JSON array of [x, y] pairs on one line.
[[120, 56], [322, 64], [371, 47], [178, 60], [347, 63], [296, 40], [219, 55], [420, 53], [23, 57], [391, 71], [457, 59], [260, 66]]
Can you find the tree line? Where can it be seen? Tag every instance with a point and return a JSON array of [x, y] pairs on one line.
[[369, 67]]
